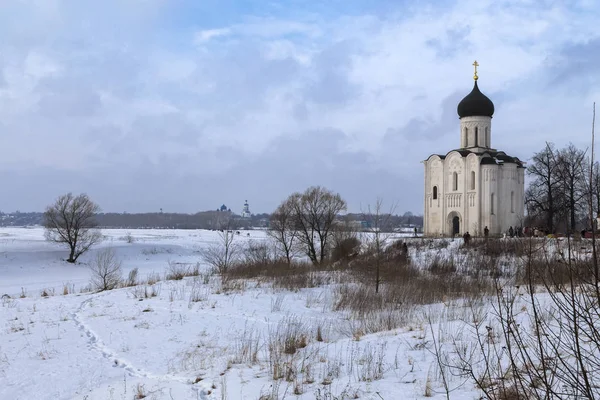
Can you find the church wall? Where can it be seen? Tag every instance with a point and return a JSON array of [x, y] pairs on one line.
[[510, 195], [489, 187], [472, 190], [473, 206], [454, 200], [434, 208]]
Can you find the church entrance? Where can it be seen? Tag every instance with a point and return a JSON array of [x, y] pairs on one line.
[[454, 221], [455, 225]]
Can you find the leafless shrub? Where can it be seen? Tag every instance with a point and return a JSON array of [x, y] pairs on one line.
[[128, 238], [156, 250], [531, 346], [257, 252], [106, 270], [294, 276], [345, 249], [441, 265], [223, 255], [500, 247], [345, 241]]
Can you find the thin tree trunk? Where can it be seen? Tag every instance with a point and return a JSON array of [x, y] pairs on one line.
[[592, 216]]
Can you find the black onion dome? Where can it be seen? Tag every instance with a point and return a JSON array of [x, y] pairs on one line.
[[475, 104]]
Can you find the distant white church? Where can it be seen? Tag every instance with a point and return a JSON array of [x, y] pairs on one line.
[[246, 210], [475, 186]]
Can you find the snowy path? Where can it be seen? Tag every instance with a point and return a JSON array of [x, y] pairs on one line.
[[95, 343]]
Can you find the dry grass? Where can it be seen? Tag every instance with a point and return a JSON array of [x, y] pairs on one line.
[[132, 278], [288, 338], [246, 348], [146, 291], [139, 392], [153, 278], [176, 271]]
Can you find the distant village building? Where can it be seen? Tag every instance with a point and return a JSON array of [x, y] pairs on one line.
[[474, 186], [246, 211]]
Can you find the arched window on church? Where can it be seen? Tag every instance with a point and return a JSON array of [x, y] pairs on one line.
[[472, 180], [435, 192], [476, 137], [454, 181], [492, 204], [512, 202], [466, 138]]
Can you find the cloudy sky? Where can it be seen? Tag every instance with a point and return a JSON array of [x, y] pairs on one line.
[[187, 104]]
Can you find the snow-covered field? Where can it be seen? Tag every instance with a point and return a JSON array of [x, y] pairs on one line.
[[189, 339]]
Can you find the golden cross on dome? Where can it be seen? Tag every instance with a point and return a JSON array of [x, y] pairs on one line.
[[475, 64]]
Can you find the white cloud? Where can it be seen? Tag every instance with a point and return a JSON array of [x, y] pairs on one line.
[[209, 34], [120, 92]]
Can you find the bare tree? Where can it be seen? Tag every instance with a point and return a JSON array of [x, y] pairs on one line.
[[71, 220], [106, 270], [571, 173], [224, 254], [378, 235], [315, 212], [283, 231], [542, 194]]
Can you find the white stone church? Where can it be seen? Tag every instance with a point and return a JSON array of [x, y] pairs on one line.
[[474, 186]]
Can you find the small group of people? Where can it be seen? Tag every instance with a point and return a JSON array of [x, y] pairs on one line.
[[517, 232], [511, 232], [467, 237]]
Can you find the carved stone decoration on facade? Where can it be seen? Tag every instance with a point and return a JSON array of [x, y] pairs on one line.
[[456, 165], [474, 163]]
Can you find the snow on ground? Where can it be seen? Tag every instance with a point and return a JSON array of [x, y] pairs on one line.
[[187, 339], [29, 262]]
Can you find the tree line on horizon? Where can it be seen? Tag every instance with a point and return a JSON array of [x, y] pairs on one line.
[[200, 220], [76, 221]]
